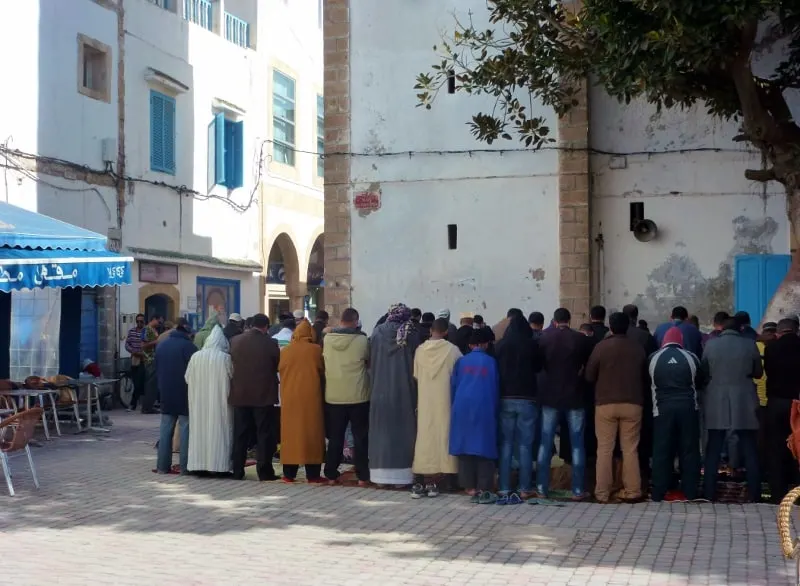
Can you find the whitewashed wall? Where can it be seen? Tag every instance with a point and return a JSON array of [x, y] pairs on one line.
[[505, 206], [706, 211]]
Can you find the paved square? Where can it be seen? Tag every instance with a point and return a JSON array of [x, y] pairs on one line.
[[102, 517]]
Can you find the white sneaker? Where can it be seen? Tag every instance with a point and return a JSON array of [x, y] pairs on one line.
[[417, 491], [432, 490]]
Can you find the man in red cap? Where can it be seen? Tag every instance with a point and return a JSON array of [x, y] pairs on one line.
[[674, 372]]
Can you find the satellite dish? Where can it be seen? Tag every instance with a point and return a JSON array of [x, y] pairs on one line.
[[645, 230]]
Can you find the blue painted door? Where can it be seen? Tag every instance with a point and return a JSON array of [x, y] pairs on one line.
[[756, 278], [89, 338], [220, 295]]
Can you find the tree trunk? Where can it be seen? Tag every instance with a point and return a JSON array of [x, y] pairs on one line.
[[786, 301]]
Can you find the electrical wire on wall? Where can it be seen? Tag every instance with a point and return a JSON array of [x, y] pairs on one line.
[[12, 157]]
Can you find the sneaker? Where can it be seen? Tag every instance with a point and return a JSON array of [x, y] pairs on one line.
[[287, 480], [317, 480], [432, 490], [417, 491], [675, 496]]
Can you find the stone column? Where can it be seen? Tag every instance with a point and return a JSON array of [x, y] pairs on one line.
[[574, 176], [336, 29], [108, 334]]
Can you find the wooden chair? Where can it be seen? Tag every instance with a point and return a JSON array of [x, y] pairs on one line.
[[21, 427]]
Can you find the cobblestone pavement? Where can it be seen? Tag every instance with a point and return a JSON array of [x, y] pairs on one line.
[[102, 517]]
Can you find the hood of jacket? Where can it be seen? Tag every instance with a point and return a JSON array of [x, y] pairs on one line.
[[304, 332], [432, 355], [341, 338], [388, 332], [216, 340]]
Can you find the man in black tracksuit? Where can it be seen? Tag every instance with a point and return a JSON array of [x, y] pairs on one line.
[[674, 372]]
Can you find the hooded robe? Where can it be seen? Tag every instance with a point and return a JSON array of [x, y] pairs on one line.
[[209, 378], [392, 421], [433, 365], [202, 334], [302, 419]]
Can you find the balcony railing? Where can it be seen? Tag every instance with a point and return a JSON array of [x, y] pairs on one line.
[[198, 12], [237, 31]]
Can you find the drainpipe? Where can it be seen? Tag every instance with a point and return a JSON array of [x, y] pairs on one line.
[[120, 155], [601, 269]]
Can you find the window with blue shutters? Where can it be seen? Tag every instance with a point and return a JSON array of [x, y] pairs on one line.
[[162, 132], [225, 152]]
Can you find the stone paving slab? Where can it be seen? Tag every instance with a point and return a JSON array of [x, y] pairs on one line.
[[102, 517]]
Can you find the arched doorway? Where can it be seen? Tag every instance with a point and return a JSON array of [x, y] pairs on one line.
[[158, 304], [315, 278], [283, 278]]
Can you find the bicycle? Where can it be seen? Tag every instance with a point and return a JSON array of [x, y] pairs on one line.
[[125, 386]]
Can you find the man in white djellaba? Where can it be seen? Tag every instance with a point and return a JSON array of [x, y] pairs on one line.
[[209, 379]]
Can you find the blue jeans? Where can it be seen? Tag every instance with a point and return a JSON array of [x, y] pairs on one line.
[[576, 420], [517, 424], [164, 461]]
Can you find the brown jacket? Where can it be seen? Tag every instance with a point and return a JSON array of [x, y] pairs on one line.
[[618, 367], [255, 359]]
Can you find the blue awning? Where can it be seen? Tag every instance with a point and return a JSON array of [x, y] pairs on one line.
[[25, 229], [36, 269]]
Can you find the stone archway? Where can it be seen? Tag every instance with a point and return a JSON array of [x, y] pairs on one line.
[[315, 278], [170, 292], [284, 288]]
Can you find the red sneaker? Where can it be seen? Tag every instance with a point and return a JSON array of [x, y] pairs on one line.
[[675, 496], [287, 480], [318, 480]]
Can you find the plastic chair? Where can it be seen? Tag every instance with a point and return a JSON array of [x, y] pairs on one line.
[[21, 426]]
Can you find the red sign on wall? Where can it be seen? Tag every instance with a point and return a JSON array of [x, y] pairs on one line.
[[367, 200]]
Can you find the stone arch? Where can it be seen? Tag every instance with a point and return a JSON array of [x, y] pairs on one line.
[[283, 265], [316, 272], [171, 293]]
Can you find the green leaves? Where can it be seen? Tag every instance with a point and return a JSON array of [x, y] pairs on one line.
[[672, 53]]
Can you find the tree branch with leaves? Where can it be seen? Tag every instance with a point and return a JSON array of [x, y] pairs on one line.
[[669, 53]]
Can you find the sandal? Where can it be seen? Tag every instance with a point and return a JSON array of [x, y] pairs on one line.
[[475, 499], [511, 498], [487, 498]]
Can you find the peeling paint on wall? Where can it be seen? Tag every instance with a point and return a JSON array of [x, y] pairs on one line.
[[679, 281]]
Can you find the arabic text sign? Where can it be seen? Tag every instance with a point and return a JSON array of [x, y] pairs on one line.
[[14, 276]]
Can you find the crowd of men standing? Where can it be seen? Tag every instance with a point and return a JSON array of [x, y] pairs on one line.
[[428, 401]]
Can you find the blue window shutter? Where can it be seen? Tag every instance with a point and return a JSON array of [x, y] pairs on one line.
[[169, 134], [156, 131], [229, 169], [211, 171], [238, 154], [219, 129]]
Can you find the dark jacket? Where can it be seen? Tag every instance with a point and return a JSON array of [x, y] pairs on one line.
[[676, 377], [232, 329], [519, 361], [255, 359], [643, 338], [424, 329], [692, 338], [781, 364], [318, 327], [461, 338], [564, 354], [599, 330], [617, 366], [171, 359], [749, 332]]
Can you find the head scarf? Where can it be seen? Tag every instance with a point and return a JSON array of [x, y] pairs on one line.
[[216, 340], [304, 332], [399, 313], [673, 336], [205, 331]]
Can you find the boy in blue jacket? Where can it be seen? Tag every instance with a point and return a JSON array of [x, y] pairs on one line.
[[475, 388]]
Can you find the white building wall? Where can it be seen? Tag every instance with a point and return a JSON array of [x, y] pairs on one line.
[[705, 209], [505, 206], [291, 38], [42, 112]]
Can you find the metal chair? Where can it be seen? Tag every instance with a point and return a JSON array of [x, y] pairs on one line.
[[21, 426]]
